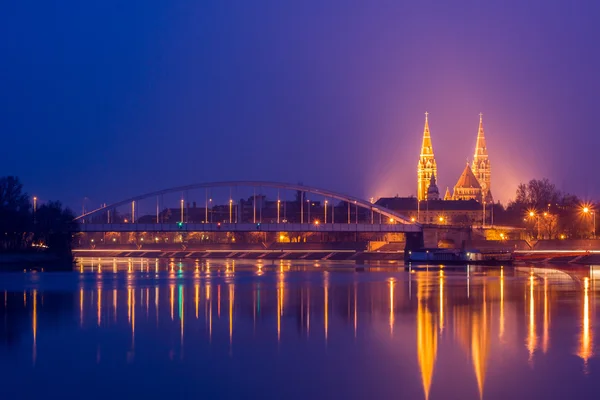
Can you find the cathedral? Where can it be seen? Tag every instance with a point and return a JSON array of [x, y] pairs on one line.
[[473, 184]]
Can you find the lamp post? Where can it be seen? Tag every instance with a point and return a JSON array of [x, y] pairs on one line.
[[278, 206], [34, 207], [532, 214], [230, 209], [325, 219], [587, 210], [181, 211]]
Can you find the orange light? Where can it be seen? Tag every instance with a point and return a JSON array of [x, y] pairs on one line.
[[317, 222], [531, 214]]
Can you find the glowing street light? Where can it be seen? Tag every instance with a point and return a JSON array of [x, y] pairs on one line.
[[325, 219], [588, 210], [391, 220], [34, 207], [230, 209]]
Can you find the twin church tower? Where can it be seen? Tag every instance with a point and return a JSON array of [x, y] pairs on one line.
[[475, 181]]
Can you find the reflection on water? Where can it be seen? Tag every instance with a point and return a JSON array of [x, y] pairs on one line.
[[466, 334]]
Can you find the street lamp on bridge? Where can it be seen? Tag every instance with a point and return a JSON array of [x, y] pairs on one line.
[[588, 210]]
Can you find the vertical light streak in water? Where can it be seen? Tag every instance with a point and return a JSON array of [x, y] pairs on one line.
[[114, 296], [586, 338], [208, 309], [308, 311], [326, 303], [99, 304], [133, 318], [532, 338], [426, 339], [34, 325], [355, 309], [501, 303], [231, 299], [480, 344], [219, 301], [156, 302], [197, 297], [24, 299], [546, 337], [278, 312], [80, 306], [441, 284], [129, 305], [172, 301], [391, 284], [181, 315]]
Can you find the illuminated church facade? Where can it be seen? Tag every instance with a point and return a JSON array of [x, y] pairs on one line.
[[473, 184]]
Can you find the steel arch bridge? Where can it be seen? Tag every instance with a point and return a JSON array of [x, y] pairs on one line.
[[394, 222]]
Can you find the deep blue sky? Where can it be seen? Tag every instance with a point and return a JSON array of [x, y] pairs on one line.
[[107, 99]]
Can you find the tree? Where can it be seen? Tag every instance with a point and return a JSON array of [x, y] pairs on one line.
[[537, 194], [53, 227], [15, 218]]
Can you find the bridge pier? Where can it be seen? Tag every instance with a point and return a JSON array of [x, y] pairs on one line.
[[414, 241]]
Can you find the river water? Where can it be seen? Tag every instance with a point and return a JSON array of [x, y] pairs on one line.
[[287, 330]]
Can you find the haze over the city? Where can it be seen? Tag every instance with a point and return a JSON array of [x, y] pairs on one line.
[[120, 98]]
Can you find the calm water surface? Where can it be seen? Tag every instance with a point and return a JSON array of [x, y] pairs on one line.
[[147, 328]]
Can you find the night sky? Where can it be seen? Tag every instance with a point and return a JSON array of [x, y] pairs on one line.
[[109, 99]]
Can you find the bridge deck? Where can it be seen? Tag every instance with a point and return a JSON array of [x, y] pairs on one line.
[[246, 227]]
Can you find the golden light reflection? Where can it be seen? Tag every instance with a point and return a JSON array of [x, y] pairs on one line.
[[81, 306], [197, 297], [502, 321], [218, 301], [546, 336], [279, 311], [133, 318], [326, 303], [231, 299], [99, 305], [129, 305], [441, 285], [392, 284], [480, 344], [532, 337], [172, 300], [426, 340], [114, 296], [34, 325], [586, 336]]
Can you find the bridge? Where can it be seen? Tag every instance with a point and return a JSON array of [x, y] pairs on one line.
[[312, 210]]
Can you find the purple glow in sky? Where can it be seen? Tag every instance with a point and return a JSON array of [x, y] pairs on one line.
[[110, 99]]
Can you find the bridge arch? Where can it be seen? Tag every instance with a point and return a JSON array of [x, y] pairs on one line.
[[276, 185]]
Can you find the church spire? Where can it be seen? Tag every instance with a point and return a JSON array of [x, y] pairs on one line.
[[426, 167], [481, 164], [480, 146], [426, 147]]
